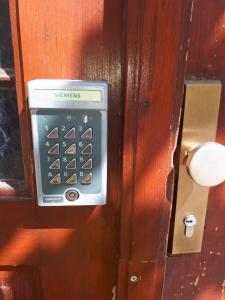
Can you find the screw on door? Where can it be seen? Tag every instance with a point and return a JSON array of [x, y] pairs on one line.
[[134, 278]]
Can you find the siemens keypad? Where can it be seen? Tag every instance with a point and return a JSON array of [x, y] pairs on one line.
[[69, 127]]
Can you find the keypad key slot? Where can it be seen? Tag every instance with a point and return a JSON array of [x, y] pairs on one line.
[[71, 149], [88, 179], [71, 134], [88, 134], [56, 179], [72, 179], [71, 165], [54, 133], [55, 165], [87, 165], [54, 150], [87, 150]]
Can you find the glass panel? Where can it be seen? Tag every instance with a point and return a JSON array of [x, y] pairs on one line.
[[11, 161], [6, 52]]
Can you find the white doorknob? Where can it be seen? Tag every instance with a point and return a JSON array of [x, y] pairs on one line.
[[206, 164]]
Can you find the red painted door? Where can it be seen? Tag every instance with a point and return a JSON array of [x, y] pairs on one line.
[[201, 275], [59, 253], [167, 42], [145, 50]]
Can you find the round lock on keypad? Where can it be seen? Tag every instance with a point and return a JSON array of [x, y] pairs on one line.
[[72, 195]]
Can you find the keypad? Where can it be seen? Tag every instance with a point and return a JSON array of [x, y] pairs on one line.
[[70, 151]]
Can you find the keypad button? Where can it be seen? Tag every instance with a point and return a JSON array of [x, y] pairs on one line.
[[72, 179], [54, 149], [71, 149], [71, 134], [72, 195], [55, 164], [71, 165], [88, 179], [87, 134], [54, 133], [87, 149], [56, 179], [87, 165]]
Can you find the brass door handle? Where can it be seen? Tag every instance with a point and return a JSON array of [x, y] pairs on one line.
[[201, 163], [206, 164]]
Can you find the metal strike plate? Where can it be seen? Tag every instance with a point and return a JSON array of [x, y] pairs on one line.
[[202, 101]]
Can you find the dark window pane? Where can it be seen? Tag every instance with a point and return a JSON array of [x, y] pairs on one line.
[[11, 163], [6, 54]]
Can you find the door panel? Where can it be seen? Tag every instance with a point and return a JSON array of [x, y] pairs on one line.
[[20, 283], [170, 45], [145, 50], [155, 56], [72, 251], [201, 276]]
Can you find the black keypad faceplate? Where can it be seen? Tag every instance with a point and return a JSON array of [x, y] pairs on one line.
[[70, 150]]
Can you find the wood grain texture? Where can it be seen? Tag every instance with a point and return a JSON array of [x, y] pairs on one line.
[[154, 71], [74, 249], [201, 276], [19, 281]]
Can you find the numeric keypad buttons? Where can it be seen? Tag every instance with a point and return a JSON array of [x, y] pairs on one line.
[[72, 179], [87, 135], [71, 134], [71, 165], [87, 179], [56, 179], [54, 133], [55, 165], [87, 165], [71, 149], [87, 150], [54, 150]]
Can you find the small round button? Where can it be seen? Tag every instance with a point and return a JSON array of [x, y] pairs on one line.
[[72, 195]]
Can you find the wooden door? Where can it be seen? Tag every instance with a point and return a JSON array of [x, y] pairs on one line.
[[201, 275], [60, 253], [166, 43], [145, 50]]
